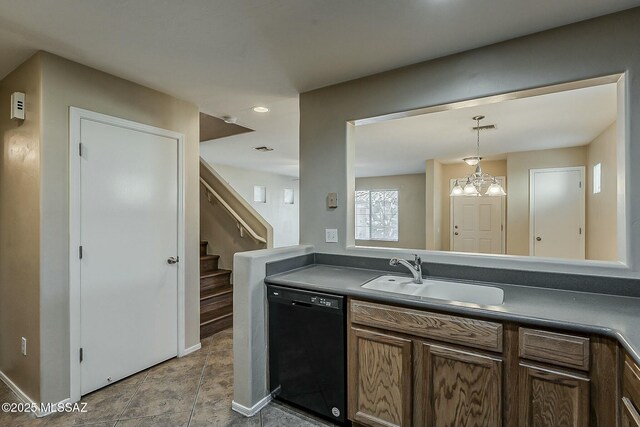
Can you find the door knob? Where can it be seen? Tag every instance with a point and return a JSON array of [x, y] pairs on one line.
[[538, 238], [456, 233], [173, 260]]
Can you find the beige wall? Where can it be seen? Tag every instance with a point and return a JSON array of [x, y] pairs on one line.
[[518, 166], [20, 229], [455, 171], [601, 227], [66, 84], [283, 218], [220, 229], [433, 219], [411, 208]]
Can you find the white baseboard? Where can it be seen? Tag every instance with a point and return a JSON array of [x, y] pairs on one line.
[[23, 396], [191, 349], [58, 405], [250, 412]]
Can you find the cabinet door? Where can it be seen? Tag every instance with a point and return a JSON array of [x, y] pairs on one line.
[[550, 397], [457, 388], [379, 379], [630, 416]]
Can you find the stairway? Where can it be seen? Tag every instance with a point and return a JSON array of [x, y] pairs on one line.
[[216, 294]]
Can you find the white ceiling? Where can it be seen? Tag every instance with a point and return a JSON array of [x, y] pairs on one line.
[[563, 119], [229, 55]]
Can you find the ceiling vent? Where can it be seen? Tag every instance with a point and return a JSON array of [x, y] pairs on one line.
[[264, 148]]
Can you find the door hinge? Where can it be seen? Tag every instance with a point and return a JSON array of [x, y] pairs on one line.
[[80, 149], [80, 252], [501, 227], [579, 184], [580, 230], [81, 354]]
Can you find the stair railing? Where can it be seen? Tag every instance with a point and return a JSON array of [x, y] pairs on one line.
[[241, 224]]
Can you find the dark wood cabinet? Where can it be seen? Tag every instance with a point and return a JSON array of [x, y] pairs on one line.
[[410, 367], [380, 379], [456, 387], [551, 397], [630, 393]]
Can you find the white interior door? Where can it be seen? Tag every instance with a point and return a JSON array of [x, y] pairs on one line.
[[477, 224], [128, 230], [556, 216]]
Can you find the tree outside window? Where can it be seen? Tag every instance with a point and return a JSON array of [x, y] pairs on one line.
[[377, 215]]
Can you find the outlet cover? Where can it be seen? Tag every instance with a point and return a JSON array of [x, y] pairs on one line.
[[331, 235]]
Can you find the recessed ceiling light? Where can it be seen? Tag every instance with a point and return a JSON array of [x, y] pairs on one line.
[[260, 109], [263, 148]]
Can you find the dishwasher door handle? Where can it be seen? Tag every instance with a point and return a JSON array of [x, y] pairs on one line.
[[301, 304]]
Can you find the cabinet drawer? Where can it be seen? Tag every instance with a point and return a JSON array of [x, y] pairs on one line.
[[631, 381], [452, 329], [556, 349]]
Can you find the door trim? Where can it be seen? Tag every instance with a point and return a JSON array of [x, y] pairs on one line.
[[76, 115], [583, 196]]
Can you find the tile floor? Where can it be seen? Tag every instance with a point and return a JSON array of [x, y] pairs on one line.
[[193, 391]]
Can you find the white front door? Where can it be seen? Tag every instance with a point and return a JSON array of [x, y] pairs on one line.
[[477, 224], [128, 230], [556, 217]]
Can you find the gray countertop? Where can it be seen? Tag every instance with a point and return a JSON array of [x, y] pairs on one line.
[[609, 315]]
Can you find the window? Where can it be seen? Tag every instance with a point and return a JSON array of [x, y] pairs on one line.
[[377, 215], [597, 178], [259, 194], [288, 196]]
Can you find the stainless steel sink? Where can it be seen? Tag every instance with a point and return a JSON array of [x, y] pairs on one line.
[[438, 289]]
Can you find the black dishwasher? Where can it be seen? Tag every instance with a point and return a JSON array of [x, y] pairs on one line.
[[307, 357]]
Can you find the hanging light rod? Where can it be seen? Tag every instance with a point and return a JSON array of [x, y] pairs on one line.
[[477, 181]]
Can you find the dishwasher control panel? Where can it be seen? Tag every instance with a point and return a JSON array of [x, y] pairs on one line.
[[301, 297], [325, 302]]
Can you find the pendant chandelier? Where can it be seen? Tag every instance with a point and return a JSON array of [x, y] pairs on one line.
[[474, 183]]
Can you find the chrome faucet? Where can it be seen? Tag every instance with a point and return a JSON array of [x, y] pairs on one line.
[[415, 268]]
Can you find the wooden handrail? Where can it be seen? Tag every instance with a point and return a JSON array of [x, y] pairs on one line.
[[233, 213]]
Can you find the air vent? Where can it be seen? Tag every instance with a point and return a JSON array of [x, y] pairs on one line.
[[485, 127], [264, 148]]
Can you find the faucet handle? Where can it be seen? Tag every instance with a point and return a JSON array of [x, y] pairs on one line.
[[417, 260]]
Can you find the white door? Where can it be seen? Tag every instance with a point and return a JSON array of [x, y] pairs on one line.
[[477, 224], [556, 217], [128, 230]]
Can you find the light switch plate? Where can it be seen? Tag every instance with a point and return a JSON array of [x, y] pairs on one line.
[[331, 235], [332, 200]]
